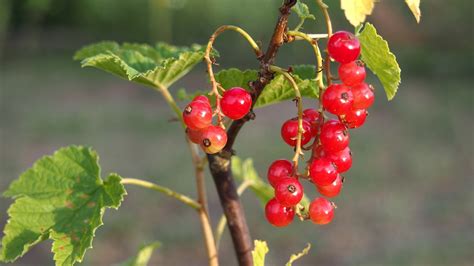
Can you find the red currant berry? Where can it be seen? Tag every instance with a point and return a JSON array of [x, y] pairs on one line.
[[194, 135], [278, 170], [338, 99], [352, 73], [343, 47], [213, 139], [321, 211], [289, 191], [322, 172], [197, 115], [363, 96], [318, 151], [277, 214], [331, 190], [342, 159], [312, 116], [202, 98], [355, 118], [334, 136], [289, 132], [236, 103]]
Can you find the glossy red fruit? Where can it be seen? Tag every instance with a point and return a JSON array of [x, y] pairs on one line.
[[278, 170], [334, 136], [236, 103], [289, 191], [343, 47], [312, 116], [318, 151], [194, 135], [322, 171], [289, 132], [355, 118], [202, 98], [331, 190], [197, 115], [338, 99], [341, 159], [213, 139], [321, 211], [352, 73], [363, 95], [277, 214]]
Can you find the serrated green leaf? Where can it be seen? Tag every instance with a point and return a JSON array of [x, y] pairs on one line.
[[297, 256], [244, 170], [259, 252], [302, 11], [234, 77], [143, 256], [377, 56], [414, 6], [157, 66], [357, 10], [63, 198]]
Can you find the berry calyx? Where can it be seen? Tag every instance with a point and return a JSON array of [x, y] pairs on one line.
[[338, 99], [333, 189], [289, 132], [213, 139], [343, 47], [321, 211], [288, 191], [352, 73], [278, 170], [363, 95], [312, 116], [322, 172], [354, 118], [197, 115], [236, 103], [334, 136], [341, 159], [277, 214], [194, 135]]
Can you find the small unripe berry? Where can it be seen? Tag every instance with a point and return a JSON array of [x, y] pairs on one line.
[[213, 139], [277, 214], [321, 211]]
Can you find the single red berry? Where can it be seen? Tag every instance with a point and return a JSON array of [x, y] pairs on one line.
[[355, 118], [342, 159], [334, 136], [289, 191], [289, 132], [343, 47], [352, 73], [363, 96], [197, 115], [194, 135], [322, 171], [277, 214], [278, 170], [321, 211], [333, 189], [338, 99], [202, 98], [312, 116], [236, 103], [213, 139]]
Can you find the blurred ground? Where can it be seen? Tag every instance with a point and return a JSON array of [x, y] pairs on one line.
[[408, 199]]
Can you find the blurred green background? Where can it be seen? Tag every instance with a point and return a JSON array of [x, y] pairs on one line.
[[408, 199]]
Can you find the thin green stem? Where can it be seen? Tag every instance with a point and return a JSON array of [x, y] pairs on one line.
[[327, 18], [167, 191], [171, 102]]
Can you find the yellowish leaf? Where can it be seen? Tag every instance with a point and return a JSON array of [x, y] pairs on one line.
[[357, 10], [414, 6]]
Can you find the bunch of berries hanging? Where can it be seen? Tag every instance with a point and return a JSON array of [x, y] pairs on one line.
[[331, 156]]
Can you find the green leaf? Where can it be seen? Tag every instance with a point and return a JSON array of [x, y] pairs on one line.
[[302, 11], [357, 11], [297, 256], [278, 90], [259, 252], [161, 65], [377, 56], [143, 256], [414, 6], [63, 198]]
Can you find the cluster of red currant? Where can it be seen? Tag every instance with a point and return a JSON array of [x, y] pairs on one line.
[[331, 155], [197, 115]]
